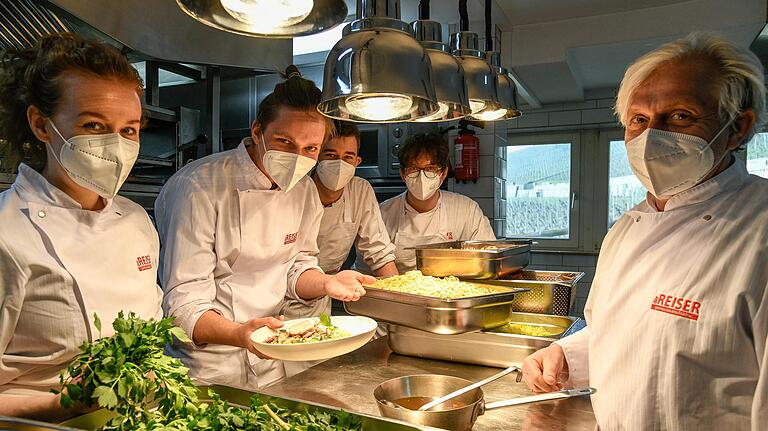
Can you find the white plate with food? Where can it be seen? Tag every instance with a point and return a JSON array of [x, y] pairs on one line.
[[314, 338]]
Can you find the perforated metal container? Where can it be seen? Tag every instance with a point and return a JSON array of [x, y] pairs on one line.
[[550, 292]]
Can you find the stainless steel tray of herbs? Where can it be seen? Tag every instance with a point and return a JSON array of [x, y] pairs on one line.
[[440, 316], [476, 260], [492, 348], [242, 399]]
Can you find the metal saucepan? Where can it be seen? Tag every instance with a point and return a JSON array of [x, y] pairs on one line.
[[458, 415]]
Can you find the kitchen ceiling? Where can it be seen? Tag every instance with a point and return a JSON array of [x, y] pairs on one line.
[[566, 50]]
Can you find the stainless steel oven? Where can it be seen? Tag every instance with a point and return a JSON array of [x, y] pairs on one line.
[[379, 144]]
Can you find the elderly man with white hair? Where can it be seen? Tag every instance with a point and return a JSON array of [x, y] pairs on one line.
[[678, 311]]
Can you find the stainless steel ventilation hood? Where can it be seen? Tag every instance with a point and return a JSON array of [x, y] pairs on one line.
[[160, 29]]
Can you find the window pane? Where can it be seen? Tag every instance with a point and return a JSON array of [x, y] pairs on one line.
[[624, 189], [757, 155], [538, 191]]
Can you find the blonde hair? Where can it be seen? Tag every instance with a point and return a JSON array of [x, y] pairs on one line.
[[741, 79]]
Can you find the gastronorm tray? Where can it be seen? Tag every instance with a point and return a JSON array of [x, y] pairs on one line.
[[549, 292], [481, 348], [239, 397], [15, 424], [440, 316], [477, 260]]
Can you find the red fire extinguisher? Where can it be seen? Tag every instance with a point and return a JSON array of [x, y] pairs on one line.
[[467, 153]]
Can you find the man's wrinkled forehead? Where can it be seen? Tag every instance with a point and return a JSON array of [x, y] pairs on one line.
[[691, 82]]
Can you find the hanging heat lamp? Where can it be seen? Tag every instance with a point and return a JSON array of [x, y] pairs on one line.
[[267, 18], [478, 74], [377, 72], [447, 73], [506, 90]]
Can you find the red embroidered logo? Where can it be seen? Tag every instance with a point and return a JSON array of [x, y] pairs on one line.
[[144, 263], [290, 238], [678, 306], [449, 235]]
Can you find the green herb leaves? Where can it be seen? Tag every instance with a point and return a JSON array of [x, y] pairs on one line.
[[129, 375], [326, 320]]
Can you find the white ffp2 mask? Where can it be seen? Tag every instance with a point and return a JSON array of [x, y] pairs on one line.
[[286, 169], [99, 163], [422, 187], [335, 174], [667, 163]]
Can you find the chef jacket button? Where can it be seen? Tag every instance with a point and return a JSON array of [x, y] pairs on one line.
[[637, 219], [41, 214], [707, 217]]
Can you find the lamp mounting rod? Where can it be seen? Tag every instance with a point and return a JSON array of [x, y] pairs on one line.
[[463, 15], [423, 9], [488, 26]]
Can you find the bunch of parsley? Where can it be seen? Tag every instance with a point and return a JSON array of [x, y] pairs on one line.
[[128, 374]]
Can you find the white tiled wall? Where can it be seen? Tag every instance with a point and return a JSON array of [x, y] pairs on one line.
[[489, 190], [569, 262], [589, 112]]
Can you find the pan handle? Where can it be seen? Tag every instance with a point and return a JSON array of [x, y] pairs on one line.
[[567, 393]]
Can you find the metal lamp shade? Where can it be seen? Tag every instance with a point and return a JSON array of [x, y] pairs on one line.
[[478, 73], [377, 61], [325, 14], [447, 74], [506, 92]]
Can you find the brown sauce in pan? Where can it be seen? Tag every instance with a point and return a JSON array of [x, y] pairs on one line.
[[413, 403]]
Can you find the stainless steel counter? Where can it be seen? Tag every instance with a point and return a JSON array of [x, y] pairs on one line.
[[348, 382]]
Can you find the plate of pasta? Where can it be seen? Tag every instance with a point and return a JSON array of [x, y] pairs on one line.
[[416, 283], [314, 338]]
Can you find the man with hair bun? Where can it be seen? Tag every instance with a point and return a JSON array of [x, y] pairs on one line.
[[678, 311], [239, 233]]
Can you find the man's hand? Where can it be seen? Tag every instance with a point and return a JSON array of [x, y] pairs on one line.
[[246, 329], [546, 369], [347, 285]]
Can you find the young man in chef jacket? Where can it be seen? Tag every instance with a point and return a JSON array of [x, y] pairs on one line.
[[351, 216], [424, 214], [678, 310], [239, 233]]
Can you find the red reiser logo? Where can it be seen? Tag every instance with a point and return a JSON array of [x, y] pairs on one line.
[[678, 306], [449, 235], [290, 238], [144, 263]]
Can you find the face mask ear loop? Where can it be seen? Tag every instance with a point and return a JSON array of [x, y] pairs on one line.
[[720, 132], [64, 142]]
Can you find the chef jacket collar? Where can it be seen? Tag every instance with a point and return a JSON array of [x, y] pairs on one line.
[[729, 180], [249, 169], [33, 187]]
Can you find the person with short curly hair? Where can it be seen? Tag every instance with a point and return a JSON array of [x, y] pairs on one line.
[[425, 214]]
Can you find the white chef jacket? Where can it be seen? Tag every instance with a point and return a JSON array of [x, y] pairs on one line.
[[678, 313], [60, 264], [455, 218], [354, 219], [232, 245]]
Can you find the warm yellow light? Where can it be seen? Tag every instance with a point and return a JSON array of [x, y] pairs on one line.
[[490, 115], [269, 14], [440, 114], [379, 106], [476, 105]]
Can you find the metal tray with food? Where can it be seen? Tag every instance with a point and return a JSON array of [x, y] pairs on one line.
[[493, 349], [435, 314], [548, 292], [240, 398], [476, 260]]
